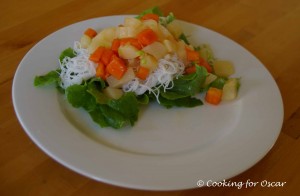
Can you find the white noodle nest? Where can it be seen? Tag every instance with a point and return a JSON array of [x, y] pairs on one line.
[[75, 70], [169, 67]]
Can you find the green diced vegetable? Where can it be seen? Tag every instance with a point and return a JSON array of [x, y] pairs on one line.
[[184, 38], [167, 20], [170, 18]]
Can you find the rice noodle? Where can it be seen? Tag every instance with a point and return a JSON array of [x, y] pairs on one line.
[[75, 70], [169, 67]]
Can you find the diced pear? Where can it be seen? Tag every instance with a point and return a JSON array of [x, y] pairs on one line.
[[230, 89], [149, 62], [181, 51], [124, 32], [133, 62], [115, 83], [132, 22], [108, 33], [156, 49], [114, 93], [174, 28], [103, 38], [95, 44], [85, 41], [206, 52], [128, 51], [152, 24], [223, 68], [171, 46], [209, 79], [165, 32]]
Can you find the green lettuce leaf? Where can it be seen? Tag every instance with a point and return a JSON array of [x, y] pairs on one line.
[[51, 77], [171, 95], [127, 105], [153, 10], [181, 102], [218, 83], [98, 117], [143, 99], [191, 84], [78, 96], [104, 111], [69, 52], [117, 113], [185, 87], [112, 117], [95, 87]]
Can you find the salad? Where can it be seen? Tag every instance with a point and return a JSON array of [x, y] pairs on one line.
[[112, 72]]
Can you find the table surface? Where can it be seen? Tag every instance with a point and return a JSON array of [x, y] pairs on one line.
[[269, 29]]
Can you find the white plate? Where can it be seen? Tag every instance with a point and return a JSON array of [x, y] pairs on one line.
[[167, 149]]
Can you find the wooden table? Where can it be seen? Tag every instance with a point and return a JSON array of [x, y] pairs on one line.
[[270, 29]]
